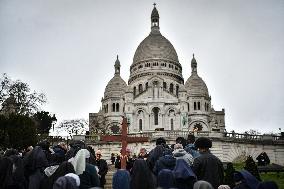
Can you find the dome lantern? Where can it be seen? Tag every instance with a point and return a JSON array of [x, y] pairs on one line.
[[193, 65], [155, 19], [117, 66]]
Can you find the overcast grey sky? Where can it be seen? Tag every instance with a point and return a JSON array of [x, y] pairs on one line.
[[67, 49]]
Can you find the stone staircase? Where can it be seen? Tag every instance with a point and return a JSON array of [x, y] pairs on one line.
[[111, 171]]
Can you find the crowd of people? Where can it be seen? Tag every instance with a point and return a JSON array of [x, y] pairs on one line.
[[188, 164]]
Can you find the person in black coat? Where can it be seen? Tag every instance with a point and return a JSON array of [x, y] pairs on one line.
[[102, 166], [167, 161], [207, 167]]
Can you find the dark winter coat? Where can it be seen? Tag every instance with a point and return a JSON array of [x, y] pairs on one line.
[[164, 162], [34, 164], [89, 178], [184, 176], [209, 168], [103, 169], [154, 155]]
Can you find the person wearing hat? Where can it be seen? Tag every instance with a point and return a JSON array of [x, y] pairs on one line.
[[102, 166], [207, 167]]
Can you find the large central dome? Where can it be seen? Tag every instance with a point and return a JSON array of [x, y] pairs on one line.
[[155, 46], [155, 55]]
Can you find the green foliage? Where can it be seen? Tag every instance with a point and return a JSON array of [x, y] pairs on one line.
[[229, 175], [251, 167], [44, 121], [276, 177], [17, 131], [27, 102]]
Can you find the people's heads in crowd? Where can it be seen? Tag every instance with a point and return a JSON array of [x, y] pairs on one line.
[[142, 152], [141, 177], [182, 141], [224, 187], [29, 149], [190, 139], [121, 179], [161, 141], [66, 182], [80, 160], [11, 152], [166, 179], [267, 185], [74, 176], [202, 185], [63, 145], [98, 154], [203, 143], [178, 146], [44, 145], [128, 152]]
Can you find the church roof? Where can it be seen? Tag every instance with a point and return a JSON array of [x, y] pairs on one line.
[[116, 87], [195, 85], [155, 46]]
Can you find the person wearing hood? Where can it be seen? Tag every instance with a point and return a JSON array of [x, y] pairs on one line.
[[141, 176], [69, 181], [166, 179], [87, 172], [207, 166], [156, 153], [180, 153], [34, 165], [60, 151], [121, 179], [167, 161], [202, 185], [245, 180], [184, 176]]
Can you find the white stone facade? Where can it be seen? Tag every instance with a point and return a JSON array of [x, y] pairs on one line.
[[156, 97]]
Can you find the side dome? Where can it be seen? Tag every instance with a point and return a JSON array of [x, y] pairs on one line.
[[195, 85], [155, 46], [116, 87]]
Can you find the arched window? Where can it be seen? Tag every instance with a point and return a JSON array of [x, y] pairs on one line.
[[164, 85], [172, 124], [117, 107], [140, 88], [194, 105], [134, 91], [198, 105], [107, 108], [146, 85], [156, 115], [113, 107], [188, 107], [171, 88], [140, 124], [177, 88]]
